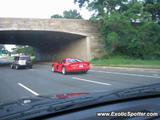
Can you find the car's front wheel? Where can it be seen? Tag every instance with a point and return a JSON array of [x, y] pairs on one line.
[[52, 69], [84, 72], [30, 67], [64, 71], [12, 67], [16, 67]]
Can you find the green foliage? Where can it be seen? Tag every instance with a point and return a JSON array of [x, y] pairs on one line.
[[24, 49], [153, 7], [102, 6], [56, 16], [71, 14], [112, 41], [129, 27], [124, 61]]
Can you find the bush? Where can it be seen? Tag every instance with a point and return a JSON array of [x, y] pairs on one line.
[[141, 41]]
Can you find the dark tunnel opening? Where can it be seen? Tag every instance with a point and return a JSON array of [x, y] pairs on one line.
[[47, 44]]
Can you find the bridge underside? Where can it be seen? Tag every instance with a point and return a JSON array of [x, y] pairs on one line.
[[48, 45]]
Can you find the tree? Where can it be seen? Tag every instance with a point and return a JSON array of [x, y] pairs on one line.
[[153, 7], [102, 7], [71, 14], [112, 41], [56, 16], [135, 12], [128, 27], [24, 49]]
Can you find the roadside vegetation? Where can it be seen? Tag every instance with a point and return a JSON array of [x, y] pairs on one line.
[[70, 14], [23, 49], [124, 61], [129, 28], [27, 50]]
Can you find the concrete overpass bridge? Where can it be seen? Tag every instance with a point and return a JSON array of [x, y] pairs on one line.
[[53, 37]]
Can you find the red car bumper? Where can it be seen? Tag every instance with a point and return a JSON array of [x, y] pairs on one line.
[[77, 69]]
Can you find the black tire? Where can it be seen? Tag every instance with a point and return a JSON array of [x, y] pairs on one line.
[[30, 67], [16, 67], [12, 67], [84, 72], [52, 69], [64, 71]]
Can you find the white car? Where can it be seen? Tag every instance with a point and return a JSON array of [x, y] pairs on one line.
[[22, 61]]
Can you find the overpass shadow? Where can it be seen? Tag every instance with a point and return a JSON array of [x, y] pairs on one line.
[[48, 45]]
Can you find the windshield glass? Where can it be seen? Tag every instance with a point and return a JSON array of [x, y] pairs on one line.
[[24, 58], [68, 48]]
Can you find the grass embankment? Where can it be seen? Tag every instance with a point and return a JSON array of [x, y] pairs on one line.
[[119, 61]]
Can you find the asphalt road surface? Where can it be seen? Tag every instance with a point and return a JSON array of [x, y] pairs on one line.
[[16, 84]]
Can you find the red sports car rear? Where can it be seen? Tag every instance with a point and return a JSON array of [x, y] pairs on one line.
[[71, 65], [78, 67]]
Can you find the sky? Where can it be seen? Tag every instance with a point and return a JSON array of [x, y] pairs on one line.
[[37, 9]]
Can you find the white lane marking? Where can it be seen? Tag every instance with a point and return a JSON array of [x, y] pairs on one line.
[[138, 75], [33, 92], [102, 83]]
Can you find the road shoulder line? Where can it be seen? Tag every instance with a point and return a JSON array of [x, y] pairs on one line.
[[129, 74], [86, 80]]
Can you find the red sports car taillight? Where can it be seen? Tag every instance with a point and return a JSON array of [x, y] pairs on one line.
[[86, 64]]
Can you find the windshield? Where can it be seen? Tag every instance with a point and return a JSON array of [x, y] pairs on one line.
[[71, 48], [24, 58]]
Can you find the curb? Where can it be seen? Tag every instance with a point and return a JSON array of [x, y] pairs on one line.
[[126, 68]]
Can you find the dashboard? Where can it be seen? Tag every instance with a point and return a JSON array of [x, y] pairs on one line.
[[137, 109]]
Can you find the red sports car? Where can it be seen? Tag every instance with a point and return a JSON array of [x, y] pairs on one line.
[[70, 65]]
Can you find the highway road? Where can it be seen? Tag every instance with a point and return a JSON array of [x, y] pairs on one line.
[[16, 84]]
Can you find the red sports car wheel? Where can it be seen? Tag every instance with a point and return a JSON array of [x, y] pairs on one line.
[[52, 69], [63, 70], [84, 71]]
